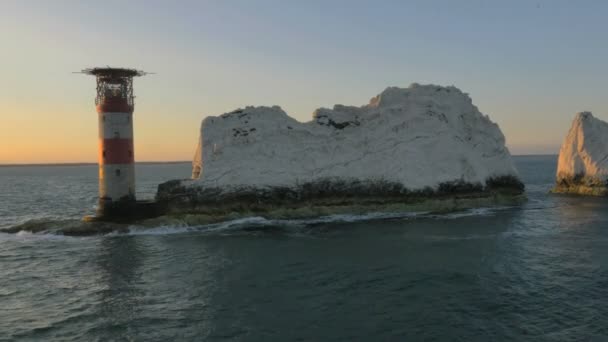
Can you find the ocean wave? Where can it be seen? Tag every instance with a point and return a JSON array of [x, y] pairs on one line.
[[169, 225], [460, 238], [24, 235], [180, 228], [484, 211], [257, 222], [41, 225]]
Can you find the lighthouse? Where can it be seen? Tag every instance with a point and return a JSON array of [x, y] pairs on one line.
[[115, 104]]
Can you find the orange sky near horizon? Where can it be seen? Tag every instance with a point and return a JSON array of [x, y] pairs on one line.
[[60, 135], [529, 68], [66, 134]]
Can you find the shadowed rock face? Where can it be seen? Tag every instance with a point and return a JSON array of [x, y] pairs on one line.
[[583, 158], [327, 194]]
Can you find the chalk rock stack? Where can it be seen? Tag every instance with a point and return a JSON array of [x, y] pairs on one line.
[[582, 166], [420, 142]]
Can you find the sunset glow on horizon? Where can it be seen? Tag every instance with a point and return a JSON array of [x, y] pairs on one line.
[[530, 66]]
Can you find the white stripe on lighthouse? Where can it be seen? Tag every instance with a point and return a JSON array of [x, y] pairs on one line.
[[115, 126], [116, 181]]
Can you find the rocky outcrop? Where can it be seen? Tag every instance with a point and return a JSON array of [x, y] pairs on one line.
[[582, 166], [407, 145]]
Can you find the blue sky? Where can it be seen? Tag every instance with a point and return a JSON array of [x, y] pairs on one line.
[[530, 65]]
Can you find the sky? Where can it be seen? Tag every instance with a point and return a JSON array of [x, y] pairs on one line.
[[529, 65]]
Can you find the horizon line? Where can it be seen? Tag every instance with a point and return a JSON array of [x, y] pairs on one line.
[[186, 161], [89, 163]]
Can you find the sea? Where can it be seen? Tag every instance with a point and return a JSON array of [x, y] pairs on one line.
[[534, 272]]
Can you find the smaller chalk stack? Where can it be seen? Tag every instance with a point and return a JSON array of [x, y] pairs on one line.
[[582, 167]]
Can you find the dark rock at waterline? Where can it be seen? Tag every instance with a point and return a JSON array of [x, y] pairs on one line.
[[324, 197], [327, 193]]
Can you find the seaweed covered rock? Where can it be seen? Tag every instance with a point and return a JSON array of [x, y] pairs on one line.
[[582, 166], [406, 145]]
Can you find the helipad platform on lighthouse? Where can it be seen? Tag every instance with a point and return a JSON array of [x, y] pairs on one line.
[[116, 72]]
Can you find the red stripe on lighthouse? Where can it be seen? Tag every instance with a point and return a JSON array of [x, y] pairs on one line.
[[116, 151], [114, 105]]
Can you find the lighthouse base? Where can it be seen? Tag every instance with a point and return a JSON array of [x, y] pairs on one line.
[[126, 210]]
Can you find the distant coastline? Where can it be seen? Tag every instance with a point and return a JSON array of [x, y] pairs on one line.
[[90, 164]]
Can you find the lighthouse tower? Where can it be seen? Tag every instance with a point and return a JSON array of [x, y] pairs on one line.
[[115, 106]]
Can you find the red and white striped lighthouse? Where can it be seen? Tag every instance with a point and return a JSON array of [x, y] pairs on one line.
[[115, 104]]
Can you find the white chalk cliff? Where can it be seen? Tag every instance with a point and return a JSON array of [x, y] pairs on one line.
[[583, 158], [420, 137]]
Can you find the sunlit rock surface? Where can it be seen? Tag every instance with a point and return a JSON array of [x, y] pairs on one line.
[[583, 158], [406, 144]]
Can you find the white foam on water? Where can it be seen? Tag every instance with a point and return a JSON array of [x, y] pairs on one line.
[[260, 222], [484, 211], [206, 228], [466, 213], [459, 238], [29, 236], [363, 217], [255, 222]]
